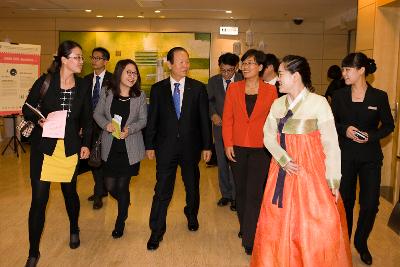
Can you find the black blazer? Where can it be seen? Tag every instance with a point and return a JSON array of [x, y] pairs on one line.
[[106, 80], [193, 129], [80, 117], [375, 118], [96, 130]]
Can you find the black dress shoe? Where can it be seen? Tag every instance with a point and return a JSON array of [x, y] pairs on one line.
[[223, 201], [97, 203], [32, 261], [233, 205], [248, 250], [91, 198], [74, 241], [154, 242], [240, 235]]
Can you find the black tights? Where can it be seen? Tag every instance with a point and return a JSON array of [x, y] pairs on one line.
[[118, 187], [40, 196]]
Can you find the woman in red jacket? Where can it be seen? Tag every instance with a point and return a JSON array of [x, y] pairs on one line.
[[247, 104]]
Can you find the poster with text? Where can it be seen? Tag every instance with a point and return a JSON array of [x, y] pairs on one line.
[[19, 69]]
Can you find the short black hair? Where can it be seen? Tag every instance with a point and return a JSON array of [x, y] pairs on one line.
[[271, 59], [334, 72], [258, 55], [106, 54], [228, 59], [170, 55]]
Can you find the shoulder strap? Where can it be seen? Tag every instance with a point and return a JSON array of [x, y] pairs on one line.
[[44, 88]]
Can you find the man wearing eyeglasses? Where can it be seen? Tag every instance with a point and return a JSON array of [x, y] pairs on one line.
[[97, 80], [216, 89]]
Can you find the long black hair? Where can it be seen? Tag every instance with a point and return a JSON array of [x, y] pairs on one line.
[[134, 91], [359, 60], [64, 50], [299, 64]]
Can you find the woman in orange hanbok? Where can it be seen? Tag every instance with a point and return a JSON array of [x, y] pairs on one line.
[[302, 220]]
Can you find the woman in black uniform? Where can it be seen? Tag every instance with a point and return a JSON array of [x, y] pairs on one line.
[[363, 117]]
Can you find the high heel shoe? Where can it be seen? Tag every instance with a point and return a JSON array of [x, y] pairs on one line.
[[32, 261], [74, 241]]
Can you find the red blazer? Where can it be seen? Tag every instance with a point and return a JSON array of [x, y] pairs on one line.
[[237, 128]]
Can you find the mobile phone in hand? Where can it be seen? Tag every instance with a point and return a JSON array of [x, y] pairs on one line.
[[360, 135]]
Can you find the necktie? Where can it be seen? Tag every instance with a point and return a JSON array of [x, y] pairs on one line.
[[280, 182], [177, 100], [227, 84], [96, 92]]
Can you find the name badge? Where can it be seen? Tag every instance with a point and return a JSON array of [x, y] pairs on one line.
[[373, 108]]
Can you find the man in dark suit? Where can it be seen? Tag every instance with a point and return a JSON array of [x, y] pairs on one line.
[[96, 80], [178, 132], [270, 74], [216, 89]]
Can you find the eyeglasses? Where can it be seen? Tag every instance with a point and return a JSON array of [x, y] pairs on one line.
[[249, 63], [227, 70], [77, 58], [131, 73], [96, 58]]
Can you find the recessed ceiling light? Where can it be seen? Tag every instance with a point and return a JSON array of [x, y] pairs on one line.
[[88, 10], [157, 11], [162, 17], [120, 16], [99, 16], [228, 11], [140, 16], [231, 17]]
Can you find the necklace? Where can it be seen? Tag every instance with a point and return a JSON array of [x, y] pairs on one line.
[[123, 100]]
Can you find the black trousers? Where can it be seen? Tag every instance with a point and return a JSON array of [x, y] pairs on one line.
[[99, 186], [369, 174], [250, 173], [164, 189], [40, 196]]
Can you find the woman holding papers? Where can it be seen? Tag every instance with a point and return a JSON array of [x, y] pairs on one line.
[[302, 220], [122, 114], [55, 157]]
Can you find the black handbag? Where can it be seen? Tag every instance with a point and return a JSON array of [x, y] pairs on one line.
[[95, 155], [25, 127]]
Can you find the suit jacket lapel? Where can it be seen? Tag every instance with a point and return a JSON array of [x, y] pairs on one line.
[[187, 95]]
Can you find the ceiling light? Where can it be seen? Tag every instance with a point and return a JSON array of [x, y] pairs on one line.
[[157, 11], [232, 17], [228, 11], [140, 16], [119, 16], [162, 17], [99, 16], [88, 10]]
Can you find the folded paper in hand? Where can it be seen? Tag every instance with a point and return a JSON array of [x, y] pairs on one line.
[[35, 110], [54, 126], [116, 122]]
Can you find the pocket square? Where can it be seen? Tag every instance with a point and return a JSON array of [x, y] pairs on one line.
[[373, 108]]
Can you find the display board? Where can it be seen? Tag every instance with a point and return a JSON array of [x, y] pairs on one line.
[[148, 49], [19, 68]]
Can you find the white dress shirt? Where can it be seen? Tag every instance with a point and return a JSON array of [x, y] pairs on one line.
[[181, 88]]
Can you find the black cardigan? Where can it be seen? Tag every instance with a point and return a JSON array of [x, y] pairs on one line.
[[376, 119], [80, 116]]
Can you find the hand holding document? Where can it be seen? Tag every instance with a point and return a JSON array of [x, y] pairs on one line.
[[54, 126], [116, 123], [35, 110]]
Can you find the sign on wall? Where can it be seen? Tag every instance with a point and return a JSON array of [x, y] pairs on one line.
[[19, 68]]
